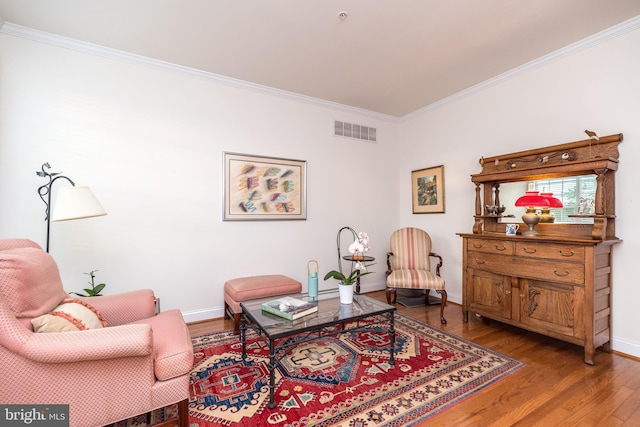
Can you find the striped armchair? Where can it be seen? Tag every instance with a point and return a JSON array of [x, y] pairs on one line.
[[409, 266]]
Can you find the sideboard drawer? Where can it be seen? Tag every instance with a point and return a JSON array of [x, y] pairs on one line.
[[490, 246], [498, 264], [531, 268], [552, 271], [559, 251]]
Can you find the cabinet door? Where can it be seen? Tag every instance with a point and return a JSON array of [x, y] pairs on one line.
[[552, 306], [489, 293]]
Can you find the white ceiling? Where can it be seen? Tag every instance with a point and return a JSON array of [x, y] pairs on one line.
[[391, 57]]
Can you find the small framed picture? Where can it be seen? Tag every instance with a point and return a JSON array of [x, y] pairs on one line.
[[427, 190], [263, 188]]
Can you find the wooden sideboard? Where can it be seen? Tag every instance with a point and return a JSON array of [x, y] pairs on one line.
[[560, 288], [558, 283]]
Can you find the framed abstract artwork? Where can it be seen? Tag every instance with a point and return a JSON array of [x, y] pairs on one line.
[[263, 188], [427, 190]]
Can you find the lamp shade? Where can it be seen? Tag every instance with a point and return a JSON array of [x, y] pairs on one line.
[[76, 202], [554, 202], [532, 199]]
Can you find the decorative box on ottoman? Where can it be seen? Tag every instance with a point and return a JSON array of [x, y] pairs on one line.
[[255, 287]]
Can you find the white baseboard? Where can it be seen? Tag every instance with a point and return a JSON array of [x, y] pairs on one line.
[[625, 346], [218, 312], [203, 314]]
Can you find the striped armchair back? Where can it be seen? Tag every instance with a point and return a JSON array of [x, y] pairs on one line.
[[411, 248]]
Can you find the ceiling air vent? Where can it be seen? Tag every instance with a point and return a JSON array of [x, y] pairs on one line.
[[351, 130]]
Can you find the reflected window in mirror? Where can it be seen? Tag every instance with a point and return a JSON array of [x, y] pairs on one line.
[[577, 194]]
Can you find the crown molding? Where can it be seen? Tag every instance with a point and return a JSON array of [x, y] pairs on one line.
[[608, 34], [118, 55], [94, 49]]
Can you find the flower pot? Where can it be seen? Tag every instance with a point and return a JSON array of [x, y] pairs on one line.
[[346, 294]]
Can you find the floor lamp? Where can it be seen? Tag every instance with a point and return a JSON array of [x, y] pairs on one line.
[[75, 202]]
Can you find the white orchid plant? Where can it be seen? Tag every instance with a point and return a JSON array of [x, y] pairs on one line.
[[357, 249]]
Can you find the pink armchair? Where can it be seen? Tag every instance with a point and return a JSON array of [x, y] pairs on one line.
[[140, 362]]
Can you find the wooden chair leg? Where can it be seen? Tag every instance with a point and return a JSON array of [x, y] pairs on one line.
[[183, 416], [183, 413], [443, 296], [391, 295]]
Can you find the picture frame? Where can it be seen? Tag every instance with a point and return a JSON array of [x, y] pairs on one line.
[[263, 188], [427, 190]]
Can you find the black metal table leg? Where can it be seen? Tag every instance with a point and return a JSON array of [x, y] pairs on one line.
[[272, 373], [243, 337], [392, 340]]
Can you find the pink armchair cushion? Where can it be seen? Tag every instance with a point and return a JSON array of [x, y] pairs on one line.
[[71, 315], [31, 282]]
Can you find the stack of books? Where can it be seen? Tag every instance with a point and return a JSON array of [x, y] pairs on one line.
[[290, 308]]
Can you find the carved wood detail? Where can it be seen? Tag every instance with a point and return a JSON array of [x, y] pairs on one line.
[[533, 304], [574, 158]]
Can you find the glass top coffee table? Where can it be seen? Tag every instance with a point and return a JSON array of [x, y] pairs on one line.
[[332, 318]]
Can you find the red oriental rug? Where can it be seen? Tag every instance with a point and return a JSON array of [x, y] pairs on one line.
[[344, 380]]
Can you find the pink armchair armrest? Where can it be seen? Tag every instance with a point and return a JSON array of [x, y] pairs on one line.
[[70, 347], [126, 307]]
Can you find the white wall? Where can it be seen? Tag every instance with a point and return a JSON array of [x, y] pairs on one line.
[[149, 143], [597, 89]]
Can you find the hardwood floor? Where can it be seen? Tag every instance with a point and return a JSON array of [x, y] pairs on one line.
[[554, 388]]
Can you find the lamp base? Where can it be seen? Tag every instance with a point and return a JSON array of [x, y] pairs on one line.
[[546, 216], [531, 219]]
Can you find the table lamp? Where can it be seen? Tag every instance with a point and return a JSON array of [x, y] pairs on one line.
[[75, 202], [531, 200], [546, 216]]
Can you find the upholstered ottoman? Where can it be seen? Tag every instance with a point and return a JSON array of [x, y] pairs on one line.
[[255, 287]]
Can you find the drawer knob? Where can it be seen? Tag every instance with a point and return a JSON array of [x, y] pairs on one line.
[[479, 261], [567, 254], [477, 245], [507, 292], [530, 250], [566, 273], [501, 248]]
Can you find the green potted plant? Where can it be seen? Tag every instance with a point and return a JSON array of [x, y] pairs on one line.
[[346, 280], [95, 290]]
